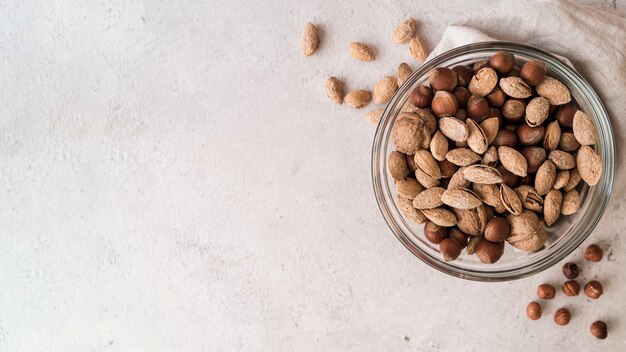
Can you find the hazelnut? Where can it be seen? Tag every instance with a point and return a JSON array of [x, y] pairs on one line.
[[599, 329], [571, 271], [444, 104], [422, 96], [533, 310], [514, 72], [497, 229], [435, 233], [489, 252], [565, 116], [508, 178], [505, 138], [461, 114], [502, 62], [534, 156], [447, 168], [530, 135], [461, 94], [450, 249], [593, 253], [593, 289], [442, 78], [480, 65], [464, 74], [477, 108], [562, 316], [410, 162], [546, 291], [458, 236], [533, 72], [496, 98], [526, 180], [571, 288], [514, 109]]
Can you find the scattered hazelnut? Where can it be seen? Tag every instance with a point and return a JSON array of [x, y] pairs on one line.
[[496, 98], [593, 289], [458, 236], [562, 316], [546, 291], [489, 252], [502, 62], [533, 72], [593, 253], [464, 74], [565, 116], [533, 310], [444, 104], [534, 156], [450, 249], [422, 96], [571, 288], [571, 271], [435, 233], [505, 138], [461, 94], [477, 108], [497, 229], [442, 78], [530, 135], [599, 329]]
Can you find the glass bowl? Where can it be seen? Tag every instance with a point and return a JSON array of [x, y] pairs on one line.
[[563, 237]]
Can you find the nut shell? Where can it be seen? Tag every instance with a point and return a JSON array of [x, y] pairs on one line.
[[483, 82]]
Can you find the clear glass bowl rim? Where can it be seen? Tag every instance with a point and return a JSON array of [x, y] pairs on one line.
[[379, 155]]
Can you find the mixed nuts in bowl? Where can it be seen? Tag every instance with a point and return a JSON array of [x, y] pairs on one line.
[[493, 161]]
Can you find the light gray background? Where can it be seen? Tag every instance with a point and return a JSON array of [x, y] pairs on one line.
[[175, 179]]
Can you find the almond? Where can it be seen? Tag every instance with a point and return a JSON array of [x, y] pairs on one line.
[[483, 82], [440, 216], [358, 98], [527, 231], [568, 142], [404, 31], [552, 137], [426, 180], [562, 177], [552, 206], [385, 89], [406, 133], [584, 129], [573, 180], [589, 165], [515, 87], [396, 165], [408, 188], [491, 127], [427, 118], [490, 158], [488, 193], [513, 161], [476, 139], [553, 90], [439, 146], [334, 89], [471, 221], [462, 157], [510, 200], [406, 208], [309, 40], [531, 200], [454, 129], [537, 111], [460, 198], [429, 198], [458, 180], [562, 160], [374, 117], [545, 177], [361, 52], [404, 72], [471, 244], [425, 161], [571, 202], [482, 174], [418, 48]]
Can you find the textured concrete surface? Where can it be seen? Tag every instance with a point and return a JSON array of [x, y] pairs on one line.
[[174, 179]]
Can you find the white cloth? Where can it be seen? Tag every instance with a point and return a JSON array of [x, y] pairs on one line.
[[593, 40]]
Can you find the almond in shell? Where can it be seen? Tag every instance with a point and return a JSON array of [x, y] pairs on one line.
[[571, 202], [385, 89], [552, 137], [358, 99], [477, 139], [491, 127], [515, 87], [483, 82], [471, 221], [482, 174], [361, 52], [406, 208], [439, 146], [460, 198], [510, 200], [396, 165], [458, 179], [531, 200], [568, 142], [429, 198], [408, 188], [545, 177], [490, 158], [573, 180], [553, 90], [562, 177], [440, 216], [488, 193], [462, 157], [425, 180], [407, 133], [453, 128], [589, 165], [513, 161], [527, 232], [425, 161], [552, 206], [537, 111], [562, 160], [584, 129]]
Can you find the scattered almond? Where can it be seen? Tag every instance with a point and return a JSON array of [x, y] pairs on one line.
[[334, 89], [358, 99], [404, 72], [374, 117], [404, 31], [418, 48], [361, 52], [385, 89], [309, 40]]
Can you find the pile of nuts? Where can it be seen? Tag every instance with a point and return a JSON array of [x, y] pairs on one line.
[[593, 289], [490, 154]]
